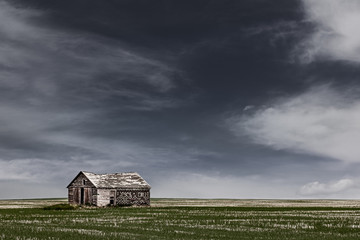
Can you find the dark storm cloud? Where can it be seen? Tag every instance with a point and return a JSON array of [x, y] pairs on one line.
[[146, 86], [316, 120], [51, 79], [57, 86]]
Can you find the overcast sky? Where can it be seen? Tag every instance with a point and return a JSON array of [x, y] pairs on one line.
[[203, 98]]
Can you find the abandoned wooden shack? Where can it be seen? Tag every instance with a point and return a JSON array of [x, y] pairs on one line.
[[116, 189]]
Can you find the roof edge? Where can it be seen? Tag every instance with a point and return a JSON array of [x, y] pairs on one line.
[[146, 186], [81, 172]]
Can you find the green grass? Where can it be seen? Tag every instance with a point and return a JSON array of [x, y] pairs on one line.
[[182, 222]]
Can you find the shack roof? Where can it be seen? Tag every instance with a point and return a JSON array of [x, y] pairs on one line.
[[115, 180]]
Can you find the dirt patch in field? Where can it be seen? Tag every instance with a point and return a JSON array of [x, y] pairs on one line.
[[253, 203], [30, 203], [178, 202]]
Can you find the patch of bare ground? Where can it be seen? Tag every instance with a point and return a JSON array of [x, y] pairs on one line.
[[185, 202], [30, 203], [179, 202]]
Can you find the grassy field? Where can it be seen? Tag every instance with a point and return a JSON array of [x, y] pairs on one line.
[[184, 219]]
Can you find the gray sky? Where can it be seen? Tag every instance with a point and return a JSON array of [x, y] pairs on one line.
[[209, 99]]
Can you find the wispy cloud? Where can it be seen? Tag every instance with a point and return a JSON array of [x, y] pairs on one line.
[[317, 188], [335, 35], [52, 79], [321, 121], [40, 62], [57, 86]]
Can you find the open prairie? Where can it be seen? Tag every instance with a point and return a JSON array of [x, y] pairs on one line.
[[184, 219]]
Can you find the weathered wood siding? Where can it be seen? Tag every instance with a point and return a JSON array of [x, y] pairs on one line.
[[122, 197], [103, 197], [133, 197], [94, 195], [72, 195], [82, 191]]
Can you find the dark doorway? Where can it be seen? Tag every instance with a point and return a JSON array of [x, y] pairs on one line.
[[82, 196]]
